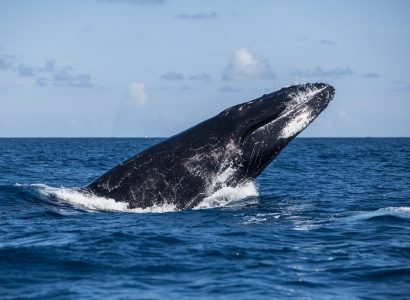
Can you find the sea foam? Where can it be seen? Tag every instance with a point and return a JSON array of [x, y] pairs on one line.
[[89, 202]]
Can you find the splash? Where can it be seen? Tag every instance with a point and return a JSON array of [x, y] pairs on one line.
[[85, 201], [229, 195], [89, 202], [220, 194]]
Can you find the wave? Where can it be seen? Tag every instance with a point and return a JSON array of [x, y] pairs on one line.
[[402, 212], [304, 222], [82, 200]]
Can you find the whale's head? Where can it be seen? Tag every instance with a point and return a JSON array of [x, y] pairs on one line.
[[264, 126]]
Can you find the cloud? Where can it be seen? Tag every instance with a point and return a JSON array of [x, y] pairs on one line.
[[172, 76], [186, 88], [52, 73], [402, 88], [328, 43], [137, 2], [43, 82], [137, 92], [49, 66], [199, 16], [201, 76], [245, 65], [335, 73], [25, 71], [371, 75], [62, 76], [6, 62], [65, 78], [228, 89]]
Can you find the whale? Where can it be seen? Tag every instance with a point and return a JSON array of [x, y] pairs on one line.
[[228, 150]]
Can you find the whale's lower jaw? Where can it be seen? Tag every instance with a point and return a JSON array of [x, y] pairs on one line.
[[226, 151]]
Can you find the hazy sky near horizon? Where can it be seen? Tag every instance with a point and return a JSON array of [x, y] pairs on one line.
[[155, 67]]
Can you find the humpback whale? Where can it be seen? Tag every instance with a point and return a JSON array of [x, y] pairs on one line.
[[227, 150]]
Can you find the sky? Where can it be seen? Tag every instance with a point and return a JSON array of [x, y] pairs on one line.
[[130, 68]]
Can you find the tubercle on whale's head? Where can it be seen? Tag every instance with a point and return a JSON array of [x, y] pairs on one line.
[[264, 126]]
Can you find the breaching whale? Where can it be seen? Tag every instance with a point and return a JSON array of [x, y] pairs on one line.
[[227, 150]]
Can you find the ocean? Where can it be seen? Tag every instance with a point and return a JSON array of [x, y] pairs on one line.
[[328, 219]]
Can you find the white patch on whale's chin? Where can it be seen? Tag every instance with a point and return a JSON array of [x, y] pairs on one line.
[[297, 123], [302, 118]]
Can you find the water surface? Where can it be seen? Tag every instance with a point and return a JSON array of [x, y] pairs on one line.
[[331, 220]]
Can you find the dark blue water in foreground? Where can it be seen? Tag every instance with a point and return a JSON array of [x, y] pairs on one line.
[[332, 221]]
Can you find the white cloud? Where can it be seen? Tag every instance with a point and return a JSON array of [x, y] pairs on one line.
[[245, 65], [137, 92]]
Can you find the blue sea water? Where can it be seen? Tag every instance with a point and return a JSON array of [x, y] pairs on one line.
[[331, 220]]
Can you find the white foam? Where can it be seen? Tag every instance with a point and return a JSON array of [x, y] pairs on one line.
[[261, 218], [254, 220], [216, 182], [228, 195], [90, 202]]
